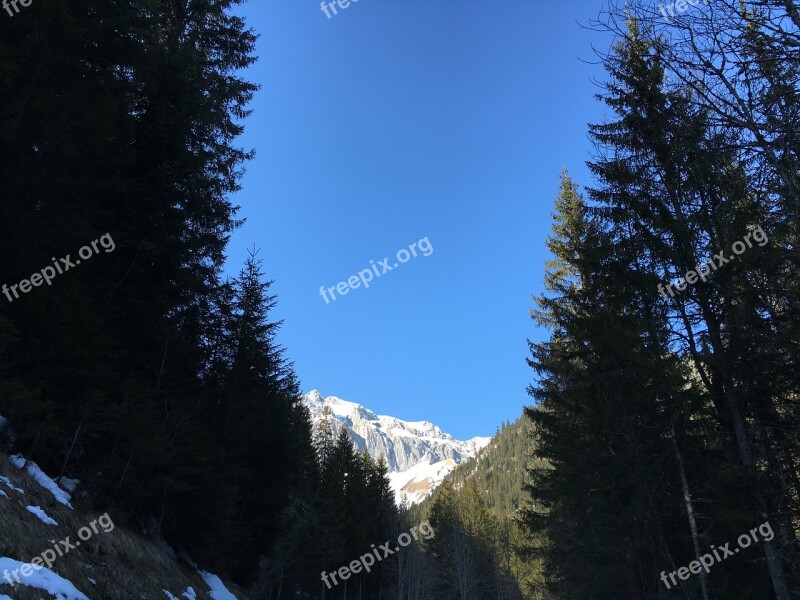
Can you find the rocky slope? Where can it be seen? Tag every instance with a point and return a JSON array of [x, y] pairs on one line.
[[420, 455]]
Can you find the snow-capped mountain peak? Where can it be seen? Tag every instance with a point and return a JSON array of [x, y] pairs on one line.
[[419, 454]]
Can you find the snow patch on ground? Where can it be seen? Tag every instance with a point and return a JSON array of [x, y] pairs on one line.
[[44, 579], [7, 482], [69, 484], [43, 480], [4, 495], [188, 593], [43, 517], [218, 590]]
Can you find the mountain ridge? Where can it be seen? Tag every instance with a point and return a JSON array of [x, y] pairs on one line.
[[419, 453]]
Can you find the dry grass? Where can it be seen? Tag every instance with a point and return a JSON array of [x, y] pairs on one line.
[[124, 564]]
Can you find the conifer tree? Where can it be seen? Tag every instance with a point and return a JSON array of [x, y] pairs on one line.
[[680, 188], [599, 405]]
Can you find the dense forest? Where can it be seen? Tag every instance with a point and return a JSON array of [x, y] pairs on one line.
[[664, 402], [140, 370], [482, 500], [666, 396]]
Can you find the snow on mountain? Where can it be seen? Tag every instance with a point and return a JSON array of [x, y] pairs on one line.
[[417, 483], [419, 454]]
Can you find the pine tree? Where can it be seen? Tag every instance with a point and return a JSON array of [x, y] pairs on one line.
[[681, 192], [131, 138], [599, 408]]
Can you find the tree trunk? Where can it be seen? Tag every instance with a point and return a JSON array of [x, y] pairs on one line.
[[746, 452], [687, 499], [71, 447]]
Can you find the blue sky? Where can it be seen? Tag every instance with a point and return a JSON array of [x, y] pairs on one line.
[[394, 121]]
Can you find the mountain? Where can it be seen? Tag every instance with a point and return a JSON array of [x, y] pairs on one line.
[[419, 454]]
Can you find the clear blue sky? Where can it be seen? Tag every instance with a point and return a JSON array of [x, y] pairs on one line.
[[396, 120]]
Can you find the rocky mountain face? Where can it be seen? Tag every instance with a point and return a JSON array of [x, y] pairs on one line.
[[419, 454]]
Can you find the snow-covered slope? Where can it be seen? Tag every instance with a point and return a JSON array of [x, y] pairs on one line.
[[415, 484], [419, 454]]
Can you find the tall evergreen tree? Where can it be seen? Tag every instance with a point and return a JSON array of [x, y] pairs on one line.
[[658, 394]]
